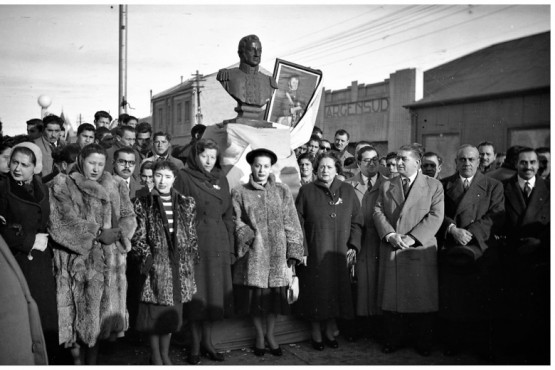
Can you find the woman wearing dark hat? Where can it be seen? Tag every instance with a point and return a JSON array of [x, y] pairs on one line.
[[268, 239], [203, 180], [329, 211], [25, 207]]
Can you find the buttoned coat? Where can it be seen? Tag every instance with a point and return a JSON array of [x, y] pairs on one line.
[[368, 260], [332, 223], [468, 292], [408, 277], [527, 233], [214, 224], [267, 233]]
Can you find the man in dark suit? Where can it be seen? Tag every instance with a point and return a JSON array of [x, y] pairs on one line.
[[407, 215], [527, 264], [124, 166], [474, 205]]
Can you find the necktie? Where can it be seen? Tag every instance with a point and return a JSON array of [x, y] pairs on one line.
[[406, 186], [466, 184], [527, 190]]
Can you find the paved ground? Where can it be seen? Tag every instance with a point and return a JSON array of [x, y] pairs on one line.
[[361, 352]]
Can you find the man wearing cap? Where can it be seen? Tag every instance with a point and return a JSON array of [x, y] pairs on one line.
[[474, 207]]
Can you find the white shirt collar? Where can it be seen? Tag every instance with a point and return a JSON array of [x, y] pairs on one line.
[[466, 178], [411, 178], [521, 182], [373, 179]]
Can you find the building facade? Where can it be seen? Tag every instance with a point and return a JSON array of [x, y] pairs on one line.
[[500, 93]]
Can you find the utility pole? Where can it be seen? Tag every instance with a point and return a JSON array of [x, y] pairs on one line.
[[122, 101], [198, 79]]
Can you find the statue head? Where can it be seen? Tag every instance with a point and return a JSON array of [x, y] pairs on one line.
[[250, 50]]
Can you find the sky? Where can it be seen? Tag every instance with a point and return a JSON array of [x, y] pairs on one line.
[[70, 52]]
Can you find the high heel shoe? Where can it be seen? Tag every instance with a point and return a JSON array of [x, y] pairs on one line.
[[319, 346], [214, 356], [259, 352], [276, 351], [193, 359], [331, 343]]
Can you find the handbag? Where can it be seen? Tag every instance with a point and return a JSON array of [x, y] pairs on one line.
[[293, 288]]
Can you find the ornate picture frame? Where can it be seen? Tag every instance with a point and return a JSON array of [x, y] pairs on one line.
[[289, 102]]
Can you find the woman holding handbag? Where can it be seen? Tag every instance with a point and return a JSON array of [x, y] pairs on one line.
[[268, 240]]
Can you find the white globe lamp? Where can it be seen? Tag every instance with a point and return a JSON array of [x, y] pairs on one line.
[[44, 102]]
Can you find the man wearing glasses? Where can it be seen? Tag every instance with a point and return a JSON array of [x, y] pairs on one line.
[[368, 164], [124, 166], [325, 146]]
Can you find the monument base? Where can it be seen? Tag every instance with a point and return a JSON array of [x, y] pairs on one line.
[[249, 122]]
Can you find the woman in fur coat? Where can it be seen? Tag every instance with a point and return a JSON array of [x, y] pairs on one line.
[[268, 240], [165, 246], [92, 220]]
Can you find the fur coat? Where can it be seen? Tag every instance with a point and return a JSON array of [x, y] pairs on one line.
[[166, 259], [267, 233], [90, 276]]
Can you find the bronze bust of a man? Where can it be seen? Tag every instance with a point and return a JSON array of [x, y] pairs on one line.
[[249, 87]]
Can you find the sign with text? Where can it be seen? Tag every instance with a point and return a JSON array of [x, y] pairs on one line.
[[357, 108]]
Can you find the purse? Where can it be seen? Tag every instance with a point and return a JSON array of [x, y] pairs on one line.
[[293, 288]]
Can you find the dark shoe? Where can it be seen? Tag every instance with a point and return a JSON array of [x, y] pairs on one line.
[[193, 359], [319, 346], [276, 351], [331, 343], [388, 349], [214, 356], [259, 352]]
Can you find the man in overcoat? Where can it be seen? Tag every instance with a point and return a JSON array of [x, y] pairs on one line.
[[474, 206], [526, 267], [407, 215]]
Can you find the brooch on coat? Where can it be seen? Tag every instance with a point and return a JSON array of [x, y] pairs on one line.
[[339, 201], [216, 187]]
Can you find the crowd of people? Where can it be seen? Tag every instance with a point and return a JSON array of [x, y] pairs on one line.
[[121, 232]]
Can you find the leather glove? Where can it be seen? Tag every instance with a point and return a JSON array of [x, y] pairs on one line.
[[109, 236]]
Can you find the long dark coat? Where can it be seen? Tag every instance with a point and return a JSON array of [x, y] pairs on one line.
[[21, 335], [166, 259], [368, 260], [408, 281], [90, 276], [526, 267], [214, 297], [19, 208], [332, 223], [467, 293]]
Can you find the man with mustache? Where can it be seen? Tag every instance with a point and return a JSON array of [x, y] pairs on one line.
[[124, 166]]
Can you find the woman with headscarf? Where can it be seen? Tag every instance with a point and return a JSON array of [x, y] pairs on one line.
[[165, 245], [92, 220], [268, 241], [24, 211], [203, 180]]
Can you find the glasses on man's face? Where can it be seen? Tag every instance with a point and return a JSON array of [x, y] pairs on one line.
[[369, 161], [326, 148], [123, 162]]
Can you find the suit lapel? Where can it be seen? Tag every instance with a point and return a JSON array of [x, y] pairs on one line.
[[454, 189], [396, 191], [537, 198], [515, 197], [472, 194], [416, 191]]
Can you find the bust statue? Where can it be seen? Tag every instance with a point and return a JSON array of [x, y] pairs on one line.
[[250, 88]]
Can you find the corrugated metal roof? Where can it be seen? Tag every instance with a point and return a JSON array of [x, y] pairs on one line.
[[517, 65]]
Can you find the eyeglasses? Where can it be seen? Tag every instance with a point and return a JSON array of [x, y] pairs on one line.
[[123, 162], [326, 148], [369, 161]]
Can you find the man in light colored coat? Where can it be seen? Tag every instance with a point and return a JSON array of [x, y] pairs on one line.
[[407, 215]]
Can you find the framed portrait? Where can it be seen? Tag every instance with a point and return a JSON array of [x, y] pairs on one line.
[[296, 87]]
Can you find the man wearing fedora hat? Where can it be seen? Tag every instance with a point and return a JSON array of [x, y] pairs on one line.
[[474, 208]]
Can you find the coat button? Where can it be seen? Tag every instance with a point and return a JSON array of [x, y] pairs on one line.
[[331, 203], [333, 215]]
